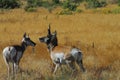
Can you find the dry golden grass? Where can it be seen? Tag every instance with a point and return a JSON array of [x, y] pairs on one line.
[[97, 35]]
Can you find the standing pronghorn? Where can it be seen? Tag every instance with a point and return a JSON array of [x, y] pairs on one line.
[[13, 54], [62, 54]]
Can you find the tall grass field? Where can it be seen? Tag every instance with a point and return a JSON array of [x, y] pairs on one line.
[[97, 35]]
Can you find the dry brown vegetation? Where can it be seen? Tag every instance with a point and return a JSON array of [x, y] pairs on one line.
[[97, 35]]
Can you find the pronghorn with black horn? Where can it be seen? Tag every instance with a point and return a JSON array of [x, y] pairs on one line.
[[13, 54], [62, 54]]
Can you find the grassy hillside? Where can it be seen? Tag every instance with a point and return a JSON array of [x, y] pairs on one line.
[[97, 35]]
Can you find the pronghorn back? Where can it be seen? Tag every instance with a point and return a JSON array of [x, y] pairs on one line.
[[65, 49], [68, 51], [7, 53]]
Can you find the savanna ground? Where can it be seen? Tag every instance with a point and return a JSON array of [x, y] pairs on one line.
[[96, 34]]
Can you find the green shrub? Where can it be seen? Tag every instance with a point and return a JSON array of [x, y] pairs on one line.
[[56, 1], [95, 3], [115, 11], [69, 5], [66, 12], [118, 2], [31, 5], [66, 4], [103, 3], [9, 4], [77, 1], [79, 10], [30, 9], [92, 3], [46, 4]]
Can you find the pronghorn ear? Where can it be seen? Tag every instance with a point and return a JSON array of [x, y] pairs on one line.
[[49, 32], [55, 33], [24, 34], [28, 35]]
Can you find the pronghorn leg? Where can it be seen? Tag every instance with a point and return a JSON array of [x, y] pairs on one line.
[[61, 68], [72, 66], [9, 71], [13, 71], [52, 67], [80, 63], [8, 67], [56, 67], [16, 69]]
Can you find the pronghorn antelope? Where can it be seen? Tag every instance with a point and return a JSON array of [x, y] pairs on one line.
[[62, 54], [13, 54]]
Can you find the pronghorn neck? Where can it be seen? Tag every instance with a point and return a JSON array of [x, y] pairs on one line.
[[52, 45], [23, 46]]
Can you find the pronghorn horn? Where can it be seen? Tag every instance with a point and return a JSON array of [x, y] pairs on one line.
[[49, 32], [55, 33], [24, 34]]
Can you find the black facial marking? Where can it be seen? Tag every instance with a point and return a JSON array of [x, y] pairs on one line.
[[49, 40]]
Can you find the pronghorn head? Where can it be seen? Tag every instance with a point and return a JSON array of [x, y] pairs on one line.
[[26, 39], [50, 39]]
